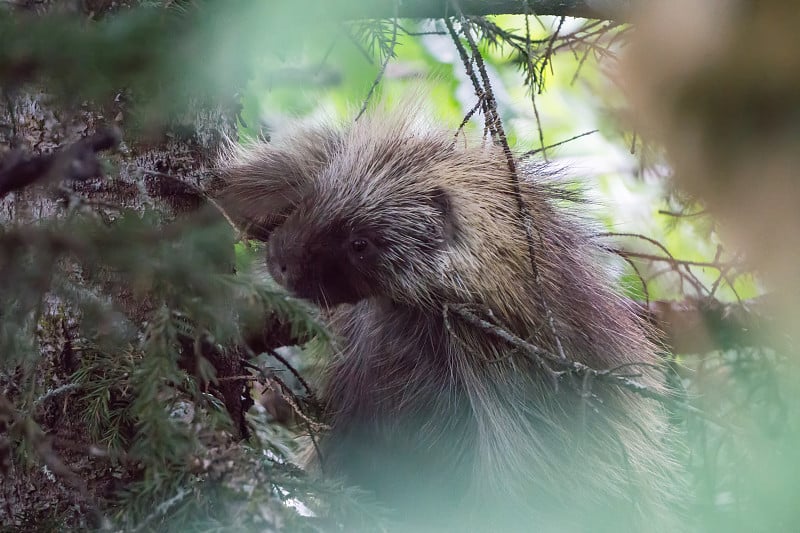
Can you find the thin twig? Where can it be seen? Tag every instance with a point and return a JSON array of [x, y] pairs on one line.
[[681, 214], [532, 81], [382, 71], [698, 285], [549, 52], [643, 282], [536, 151], [295, 373], [468, 117]]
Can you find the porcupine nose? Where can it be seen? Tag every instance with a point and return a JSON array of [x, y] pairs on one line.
[[277, 263], [284, 263], [280, 272]]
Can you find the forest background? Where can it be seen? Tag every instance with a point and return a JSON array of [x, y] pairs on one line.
[[145, 382]]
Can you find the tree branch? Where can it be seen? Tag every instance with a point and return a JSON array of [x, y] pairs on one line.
[[598, 9], [75, 162]]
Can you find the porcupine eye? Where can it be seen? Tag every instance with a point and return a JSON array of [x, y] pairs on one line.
[[363, 251], [359, 245]]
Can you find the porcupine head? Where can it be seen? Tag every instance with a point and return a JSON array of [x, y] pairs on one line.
[[386, 207]]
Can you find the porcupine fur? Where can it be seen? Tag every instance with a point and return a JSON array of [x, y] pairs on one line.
[[392, 221]]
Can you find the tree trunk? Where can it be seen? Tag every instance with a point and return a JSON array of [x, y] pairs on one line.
[[163, 171]]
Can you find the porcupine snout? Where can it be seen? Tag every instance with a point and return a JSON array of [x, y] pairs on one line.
[[281, 264]]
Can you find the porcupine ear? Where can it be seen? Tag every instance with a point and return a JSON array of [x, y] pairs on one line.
[[440, 199], [264, 182]]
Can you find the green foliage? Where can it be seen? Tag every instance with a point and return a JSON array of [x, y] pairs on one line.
[[151, 311], [161, 61], [143, 292]]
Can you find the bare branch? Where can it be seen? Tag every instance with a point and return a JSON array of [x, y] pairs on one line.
[[75, 162]]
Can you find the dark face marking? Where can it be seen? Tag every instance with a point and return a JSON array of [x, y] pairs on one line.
[[333, 266], [345, 261]]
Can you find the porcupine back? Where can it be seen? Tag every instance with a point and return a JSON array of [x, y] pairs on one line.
[[441, 418]]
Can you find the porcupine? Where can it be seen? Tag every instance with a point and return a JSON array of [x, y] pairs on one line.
[[401, 228]]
